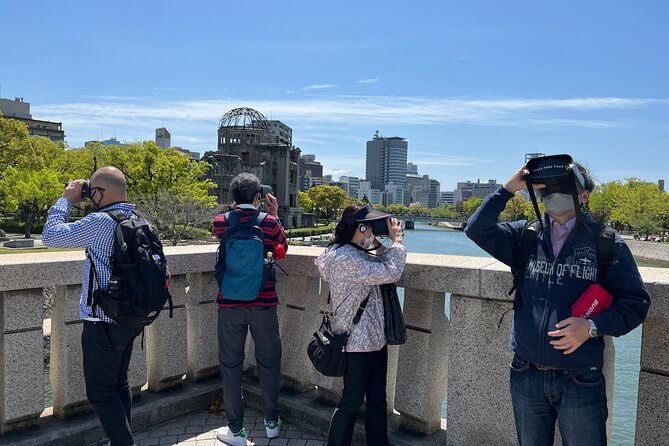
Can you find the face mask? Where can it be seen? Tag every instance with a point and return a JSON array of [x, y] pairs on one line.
[[368, 242], [558, 205]]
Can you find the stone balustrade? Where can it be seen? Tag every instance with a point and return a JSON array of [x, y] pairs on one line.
[[465, 356]]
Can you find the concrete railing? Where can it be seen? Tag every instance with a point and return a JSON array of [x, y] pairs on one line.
[[465, 357]]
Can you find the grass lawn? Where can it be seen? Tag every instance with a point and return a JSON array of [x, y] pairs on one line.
[[33, 250]]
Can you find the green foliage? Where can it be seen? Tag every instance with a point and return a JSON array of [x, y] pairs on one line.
[[327, 200], [447, 211], [635, 204], [305, 232], [470, 205], [379, 207], [305, 202], [518, 208]]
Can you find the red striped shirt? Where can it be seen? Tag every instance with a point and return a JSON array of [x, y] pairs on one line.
[[274, 235]]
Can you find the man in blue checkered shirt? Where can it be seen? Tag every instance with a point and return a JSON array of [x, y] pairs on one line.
[[106, 346]]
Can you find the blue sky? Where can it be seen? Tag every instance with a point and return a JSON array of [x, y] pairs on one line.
[[472, 85]]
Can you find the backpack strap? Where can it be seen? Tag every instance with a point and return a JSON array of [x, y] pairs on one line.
[[117, 215], [606, 242]]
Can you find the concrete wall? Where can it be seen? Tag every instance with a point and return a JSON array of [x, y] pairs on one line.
[[649, 250], [464, 356]]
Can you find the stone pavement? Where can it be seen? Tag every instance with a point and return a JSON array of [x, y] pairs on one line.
[[199, 429]]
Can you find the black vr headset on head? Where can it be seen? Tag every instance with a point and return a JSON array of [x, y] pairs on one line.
[[559, 174]]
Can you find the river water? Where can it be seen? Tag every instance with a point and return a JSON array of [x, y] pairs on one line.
[[433, 240]]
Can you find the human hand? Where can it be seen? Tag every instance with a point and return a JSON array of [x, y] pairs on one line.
[[573, 331], [271, 205], [395, 232], [72, 192]]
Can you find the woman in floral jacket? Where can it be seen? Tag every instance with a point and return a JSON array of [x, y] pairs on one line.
[[353, 273]]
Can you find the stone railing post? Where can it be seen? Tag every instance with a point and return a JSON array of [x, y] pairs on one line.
[[652, 416], [202, 320], [300, 303], [67, 373], [166, 341], [21, 358], [423, 361]]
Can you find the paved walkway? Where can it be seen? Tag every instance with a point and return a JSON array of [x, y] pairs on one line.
[[199, 429]]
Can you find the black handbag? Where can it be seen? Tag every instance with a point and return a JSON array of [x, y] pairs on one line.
[[396, 332], [327, 350]]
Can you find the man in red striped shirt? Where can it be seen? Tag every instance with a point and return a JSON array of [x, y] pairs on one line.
[[260, 315]]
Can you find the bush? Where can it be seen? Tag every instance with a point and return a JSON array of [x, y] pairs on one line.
[[305, 232], [18, 227]]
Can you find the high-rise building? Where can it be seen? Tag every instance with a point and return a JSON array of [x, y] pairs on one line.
[[365, 191], [393, 194], [446, 197], [163, 138], [412, 169], [529, 156], [468, 189], [352, 185], [386, 161], [19, 110], [309, 168], [660, 184], [423, 190]]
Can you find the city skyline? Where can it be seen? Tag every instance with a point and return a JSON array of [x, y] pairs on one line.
[[473, 87]]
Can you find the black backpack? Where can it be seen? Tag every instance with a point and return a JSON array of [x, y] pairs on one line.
[[139, 281], [606, 239]]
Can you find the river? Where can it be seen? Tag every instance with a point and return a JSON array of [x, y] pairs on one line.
[[432, 240]]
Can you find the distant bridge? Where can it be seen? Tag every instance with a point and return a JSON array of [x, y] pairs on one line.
[[453, 223]]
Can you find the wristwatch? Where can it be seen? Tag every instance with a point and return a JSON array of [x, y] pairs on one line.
[[593, 329]]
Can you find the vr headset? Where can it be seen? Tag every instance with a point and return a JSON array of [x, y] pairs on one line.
[[559, 174], [376, 220]]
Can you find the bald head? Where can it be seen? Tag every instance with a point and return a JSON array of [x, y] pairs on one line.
[[112, 182]]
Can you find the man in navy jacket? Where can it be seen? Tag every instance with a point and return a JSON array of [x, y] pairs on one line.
[[556, 373]]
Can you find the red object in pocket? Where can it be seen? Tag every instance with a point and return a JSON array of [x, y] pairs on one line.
[[592, 302], [279, 251]]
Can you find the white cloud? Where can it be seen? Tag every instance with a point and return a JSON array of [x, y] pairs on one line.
[[319, 87], [84, 120], [368, 81]]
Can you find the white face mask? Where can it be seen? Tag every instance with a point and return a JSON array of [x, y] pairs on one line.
[[557, 205], [367, 243]]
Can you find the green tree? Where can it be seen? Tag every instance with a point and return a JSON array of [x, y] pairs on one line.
[[327, 200], [640, 205], [397, 209], [29, 193], [305, 202], [470, 205], [517, 208], [379, 207], [365, 199]]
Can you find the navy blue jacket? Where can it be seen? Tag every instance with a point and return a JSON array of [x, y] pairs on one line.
[[551, 285]]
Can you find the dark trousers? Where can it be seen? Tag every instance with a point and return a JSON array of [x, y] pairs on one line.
[[106, 352], [575, 399], [233, 324], [365, 376]]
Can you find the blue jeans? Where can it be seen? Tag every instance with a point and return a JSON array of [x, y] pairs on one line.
[[575, 398]]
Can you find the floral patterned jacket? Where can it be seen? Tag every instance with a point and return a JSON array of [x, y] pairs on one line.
[[353, 275]]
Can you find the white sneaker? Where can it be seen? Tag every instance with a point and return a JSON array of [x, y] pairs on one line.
[[272, 428], [230, 438]]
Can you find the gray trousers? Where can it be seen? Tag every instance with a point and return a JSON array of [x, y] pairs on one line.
[[233, 324]]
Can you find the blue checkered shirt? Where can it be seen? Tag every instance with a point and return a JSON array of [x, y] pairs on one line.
[[95, 232]]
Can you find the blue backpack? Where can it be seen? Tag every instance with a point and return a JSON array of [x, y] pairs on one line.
[[241, 270]]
